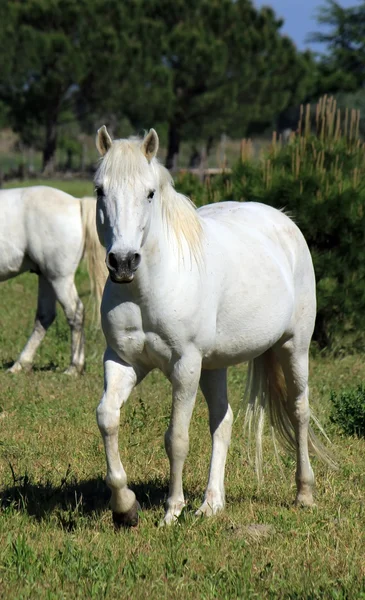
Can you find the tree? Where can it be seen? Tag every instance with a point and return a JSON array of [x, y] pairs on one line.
[[45, 69], [229, 66], [342, 67], [201, 67], [65, 57]]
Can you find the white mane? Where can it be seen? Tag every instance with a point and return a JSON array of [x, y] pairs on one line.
[[126, 160]]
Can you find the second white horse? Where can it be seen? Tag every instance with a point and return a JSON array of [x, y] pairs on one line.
[[47, 231]]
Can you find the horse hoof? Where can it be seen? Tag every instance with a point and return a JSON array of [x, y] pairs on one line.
[[127, 519], [73, 371], [18, 368], [209, 510], [305, 501]]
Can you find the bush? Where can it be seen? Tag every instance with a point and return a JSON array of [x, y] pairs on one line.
[[348, 411]]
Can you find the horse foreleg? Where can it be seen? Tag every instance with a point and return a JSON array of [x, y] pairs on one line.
[[214, 387], [185, 380], [120, 380], [67, 296], [45, 315]]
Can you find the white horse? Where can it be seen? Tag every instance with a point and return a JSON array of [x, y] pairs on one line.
[[47, 231], [191, 292]]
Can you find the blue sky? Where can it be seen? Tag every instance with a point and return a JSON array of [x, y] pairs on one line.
[[299, 16]]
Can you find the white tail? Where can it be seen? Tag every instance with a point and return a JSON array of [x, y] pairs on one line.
[[266, 390], [94, 253]]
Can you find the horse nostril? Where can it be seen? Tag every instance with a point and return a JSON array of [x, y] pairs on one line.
[[112, 261], [116, 262], [133, 261]]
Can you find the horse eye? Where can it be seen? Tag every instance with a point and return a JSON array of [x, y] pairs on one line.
[[99, 192], [151, 194]]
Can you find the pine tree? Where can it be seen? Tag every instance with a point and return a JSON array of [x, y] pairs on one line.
[[343, 65]]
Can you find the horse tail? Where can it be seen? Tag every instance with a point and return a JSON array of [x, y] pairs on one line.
[[94, 253], [266, 391]]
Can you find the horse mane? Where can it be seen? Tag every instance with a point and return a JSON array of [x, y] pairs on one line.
[[179, 215], [178, 212]]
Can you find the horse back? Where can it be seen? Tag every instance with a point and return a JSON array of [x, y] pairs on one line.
[[41, 230], [54, 230]]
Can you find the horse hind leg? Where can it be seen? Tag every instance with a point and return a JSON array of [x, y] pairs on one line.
[[293, 359], [73, 308], [45, 315], [214, 387]]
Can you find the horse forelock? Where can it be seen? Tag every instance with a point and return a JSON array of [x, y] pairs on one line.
[[126, 161]]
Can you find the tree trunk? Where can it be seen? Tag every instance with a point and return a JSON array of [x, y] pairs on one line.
[[69, 154], [209, 145], [49, 150], [173, 146]]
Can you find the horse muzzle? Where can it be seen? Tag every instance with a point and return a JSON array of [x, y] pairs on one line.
[[122, 267]]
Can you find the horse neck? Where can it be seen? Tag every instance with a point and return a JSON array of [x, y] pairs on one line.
[[173, 241]]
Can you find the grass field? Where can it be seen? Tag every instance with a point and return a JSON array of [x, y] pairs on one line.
[[75, 187], [56, 533]]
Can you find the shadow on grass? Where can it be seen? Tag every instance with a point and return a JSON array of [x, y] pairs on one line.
[[51, 366], [73, 499]]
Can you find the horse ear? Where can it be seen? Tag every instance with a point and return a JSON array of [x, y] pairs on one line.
[[150, 145], [103, 140]]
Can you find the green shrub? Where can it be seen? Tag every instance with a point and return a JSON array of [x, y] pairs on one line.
[[348, 410]]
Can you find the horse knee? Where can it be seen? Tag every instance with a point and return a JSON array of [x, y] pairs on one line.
[[301, 410], [221, 421], [176, 444], [107, 420], [46, 318]]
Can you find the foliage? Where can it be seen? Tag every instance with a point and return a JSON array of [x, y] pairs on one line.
[[64, 61], [229, 67], [46, 66], [211, 190], [353, 101], [348, 410], [186, 66], [343, 65]]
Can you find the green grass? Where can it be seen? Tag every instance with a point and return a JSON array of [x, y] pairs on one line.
[[57, 539], [55, 526], [75, 187]]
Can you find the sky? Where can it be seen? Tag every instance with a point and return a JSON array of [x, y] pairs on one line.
[[299, 17]]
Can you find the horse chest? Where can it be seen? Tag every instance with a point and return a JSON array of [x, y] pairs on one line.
[[134, 338], [138, 347]]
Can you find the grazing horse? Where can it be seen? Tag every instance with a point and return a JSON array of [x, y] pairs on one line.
[[191, 292], [46, 231]]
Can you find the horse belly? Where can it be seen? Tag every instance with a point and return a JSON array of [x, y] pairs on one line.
[[255, 310], [14, 262], [240, 345]]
